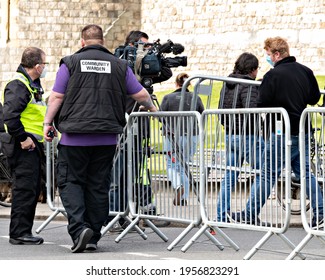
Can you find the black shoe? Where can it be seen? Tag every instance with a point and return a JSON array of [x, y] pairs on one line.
[[116, 228], [183, 202], [27, 240], [317, 223], [126, 224], [81, 242], [240, 217], [179, 192], [91, 247]]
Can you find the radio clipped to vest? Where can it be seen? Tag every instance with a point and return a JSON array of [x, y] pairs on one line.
[[38, 93]]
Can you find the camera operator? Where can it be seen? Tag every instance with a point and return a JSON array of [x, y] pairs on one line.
[[140, 140], [166, 73]]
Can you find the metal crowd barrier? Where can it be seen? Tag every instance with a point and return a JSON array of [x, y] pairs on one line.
[[143, 188], [275, 215], [157, 191], [316, 146], [242, 172], [52, 195], [118, 202]]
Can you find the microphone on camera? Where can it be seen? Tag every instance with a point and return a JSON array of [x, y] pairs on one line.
[[177, 48], [166, 47]]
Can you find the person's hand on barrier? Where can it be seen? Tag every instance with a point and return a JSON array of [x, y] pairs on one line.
[[144, 109], [151, 109], [49, 132]]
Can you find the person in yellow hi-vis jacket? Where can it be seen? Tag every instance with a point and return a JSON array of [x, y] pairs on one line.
[[23, 112]]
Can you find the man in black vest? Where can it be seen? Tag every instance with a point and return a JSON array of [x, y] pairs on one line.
[[90, 90]]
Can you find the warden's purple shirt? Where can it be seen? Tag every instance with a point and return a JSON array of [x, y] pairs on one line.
[[85, 139]]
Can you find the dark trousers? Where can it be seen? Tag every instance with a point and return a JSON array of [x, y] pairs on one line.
[[26, 172], [83, 181], [118, 184]]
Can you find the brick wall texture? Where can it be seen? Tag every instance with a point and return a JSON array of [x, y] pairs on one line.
[[214, 32]]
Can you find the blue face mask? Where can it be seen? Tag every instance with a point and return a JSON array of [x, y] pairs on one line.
[[268, 59]]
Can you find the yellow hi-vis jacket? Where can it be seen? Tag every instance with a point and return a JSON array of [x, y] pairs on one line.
[[32, 117]]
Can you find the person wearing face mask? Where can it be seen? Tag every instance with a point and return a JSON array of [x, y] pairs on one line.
[[292, 86], [269, 60], [23, 114], [238, 148]]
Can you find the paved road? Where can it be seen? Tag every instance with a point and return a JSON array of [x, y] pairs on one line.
[[140, 259], [133, 247]]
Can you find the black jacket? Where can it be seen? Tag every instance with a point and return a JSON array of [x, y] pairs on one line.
[[17, 97], [238, 96], [171, 102], [95, 98], [290, 85]]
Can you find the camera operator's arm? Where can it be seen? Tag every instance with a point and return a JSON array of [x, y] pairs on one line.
[[144, 99], [165, 74]]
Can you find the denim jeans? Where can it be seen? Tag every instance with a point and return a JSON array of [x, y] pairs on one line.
[[271, 169], [238, 149], [185, 148]]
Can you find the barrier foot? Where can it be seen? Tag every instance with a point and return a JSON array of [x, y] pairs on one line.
[[258, 245], [194, 238], [226, 238], [290, 244], [133, 224], [48, 220], [180, 237], [300, 246], [321, 238], [214, 240], [156, 230]]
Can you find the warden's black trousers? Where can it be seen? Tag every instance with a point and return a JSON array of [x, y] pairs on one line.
[[83, 181]]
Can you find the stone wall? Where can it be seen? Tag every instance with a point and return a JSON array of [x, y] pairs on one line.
[[214, 32], [55, 26]]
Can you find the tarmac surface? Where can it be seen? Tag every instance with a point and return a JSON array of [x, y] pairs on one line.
[[133, 247]]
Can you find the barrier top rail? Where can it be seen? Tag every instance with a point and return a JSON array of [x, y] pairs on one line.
[[214, 78], [202, 78]]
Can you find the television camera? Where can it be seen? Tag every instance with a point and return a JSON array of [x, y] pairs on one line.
[[147, 59]]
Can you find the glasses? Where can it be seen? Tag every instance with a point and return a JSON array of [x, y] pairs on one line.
[[46, 63]]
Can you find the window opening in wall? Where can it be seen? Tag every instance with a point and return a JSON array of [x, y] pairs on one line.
[[8, 21]]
